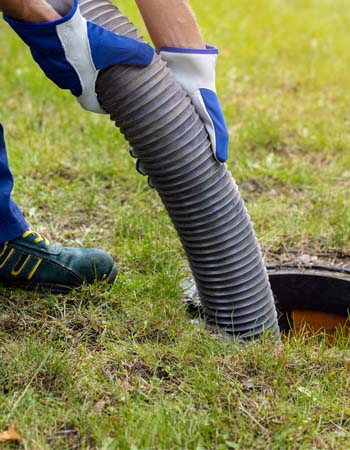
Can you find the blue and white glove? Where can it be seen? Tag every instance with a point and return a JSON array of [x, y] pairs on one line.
[[195, 71], [71, 51]]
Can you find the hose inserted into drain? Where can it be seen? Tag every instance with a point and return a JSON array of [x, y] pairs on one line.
[[203, 201]]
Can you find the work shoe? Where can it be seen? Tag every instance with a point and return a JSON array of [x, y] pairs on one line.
[[31, 262]]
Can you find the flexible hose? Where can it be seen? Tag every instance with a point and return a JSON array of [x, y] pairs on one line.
[[157, 118]]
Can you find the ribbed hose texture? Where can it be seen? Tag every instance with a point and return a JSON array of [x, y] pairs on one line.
[[160, 123]]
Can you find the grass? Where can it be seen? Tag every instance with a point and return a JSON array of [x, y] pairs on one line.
[[126, 367]]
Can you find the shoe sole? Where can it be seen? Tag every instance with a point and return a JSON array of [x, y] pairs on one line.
[[57, 288]]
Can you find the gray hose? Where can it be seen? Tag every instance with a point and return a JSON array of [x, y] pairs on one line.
[[157, 118]]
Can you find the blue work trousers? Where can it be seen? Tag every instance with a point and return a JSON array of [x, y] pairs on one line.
[[12, 222]]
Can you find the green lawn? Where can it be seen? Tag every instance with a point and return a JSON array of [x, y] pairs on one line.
[[126, 367]]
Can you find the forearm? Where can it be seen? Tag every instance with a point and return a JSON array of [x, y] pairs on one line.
[[171, 23], [35, 10]]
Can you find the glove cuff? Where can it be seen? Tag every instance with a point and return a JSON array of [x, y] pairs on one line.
[[24, 28], [193, 68], [208, 50]]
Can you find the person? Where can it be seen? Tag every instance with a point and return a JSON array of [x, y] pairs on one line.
[[71, 51]]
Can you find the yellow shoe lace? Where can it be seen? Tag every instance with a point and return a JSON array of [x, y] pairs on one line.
[[38, 237]]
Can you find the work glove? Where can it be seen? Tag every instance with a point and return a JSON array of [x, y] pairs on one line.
[[195, 71], [71, 51]]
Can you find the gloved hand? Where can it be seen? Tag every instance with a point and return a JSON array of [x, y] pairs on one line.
[[71, 51], [195, 71]]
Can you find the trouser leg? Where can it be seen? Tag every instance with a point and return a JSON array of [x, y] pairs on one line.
[[12, 222]]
